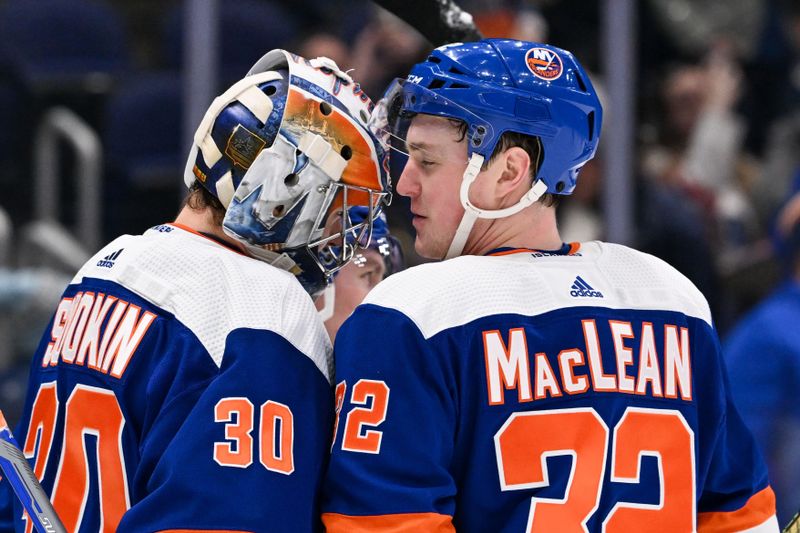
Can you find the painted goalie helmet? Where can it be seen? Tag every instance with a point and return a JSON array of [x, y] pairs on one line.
[[287, 151]]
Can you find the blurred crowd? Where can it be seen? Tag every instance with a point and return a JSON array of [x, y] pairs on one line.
[[717, 180]]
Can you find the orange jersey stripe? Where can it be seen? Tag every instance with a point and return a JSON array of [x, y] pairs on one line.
[[391, 523], [573, 248], [758, 509], [510, 252]]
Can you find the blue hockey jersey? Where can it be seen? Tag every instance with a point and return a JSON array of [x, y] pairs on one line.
[[577, 390], [181, 386]]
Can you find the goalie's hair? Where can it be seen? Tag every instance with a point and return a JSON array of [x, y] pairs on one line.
[[199, 198]]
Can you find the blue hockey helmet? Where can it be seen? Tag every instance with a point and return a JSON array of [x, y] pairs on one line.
[[501, 85], [287, 150]]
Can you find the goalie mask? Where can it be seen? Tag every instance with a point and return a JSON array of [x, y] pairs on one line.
[[287, 151]]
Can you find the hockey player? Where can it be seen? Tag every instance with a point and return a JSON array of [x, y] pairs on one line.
[[381, 257], [526, 384], [184, 383]]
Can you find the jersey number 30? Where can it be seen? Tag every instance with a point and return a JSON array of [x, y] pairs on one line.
[[527, 439], [276, 442]]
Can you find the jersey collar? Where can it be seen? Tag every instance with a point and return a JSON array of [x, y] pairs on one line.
[[208, 236], [566, 249]]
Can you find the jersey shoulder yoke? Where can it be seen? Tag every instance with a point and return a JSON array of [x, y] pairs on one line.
[[212, 290], [447, 294]]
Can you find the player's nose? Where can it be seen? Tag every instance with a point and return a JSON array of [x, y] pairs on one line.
[[407, 183]]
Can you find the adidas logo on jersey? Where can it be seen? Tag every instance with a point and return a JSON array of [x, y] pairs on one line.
[[581, 288], [108, 261]]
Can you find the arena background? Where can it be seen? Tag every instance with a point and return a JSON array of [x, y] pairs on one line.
[[98, 100]]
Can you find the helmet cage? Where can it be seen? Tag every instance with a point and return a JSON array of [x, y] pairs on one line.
[[335, 249], [377, 238]]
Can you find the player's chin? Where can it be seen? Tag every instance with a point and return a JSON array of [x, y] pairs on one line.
[[428, 250]]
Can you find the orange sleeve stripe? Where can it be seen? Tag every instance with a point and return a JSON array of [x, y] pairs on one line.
[[391, 523], [758, 509]]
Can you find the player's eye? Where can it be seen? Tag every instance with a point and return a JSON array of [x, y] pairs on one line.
[[370, 277]]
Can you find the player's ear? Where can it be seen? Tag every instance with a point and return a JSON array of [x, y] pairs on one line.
[[515, 170]]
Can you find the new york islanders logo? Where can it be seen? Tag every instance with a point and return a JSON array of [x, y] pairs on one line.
[[544, 63]]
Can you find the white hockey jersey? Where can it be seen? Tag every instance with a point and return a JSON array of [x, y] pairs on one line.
[[180, 386]]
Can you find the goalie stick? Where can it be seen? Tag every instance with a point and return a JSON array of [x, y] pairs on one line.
[[27, 488], [439, 21], [794, 525]]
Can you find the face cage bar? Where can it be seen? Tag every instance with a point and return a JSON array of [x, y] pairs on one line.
[[347, 249]]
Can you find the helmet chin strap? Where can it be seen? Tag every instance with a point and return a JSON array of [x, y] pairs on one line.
[[473, 213]]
